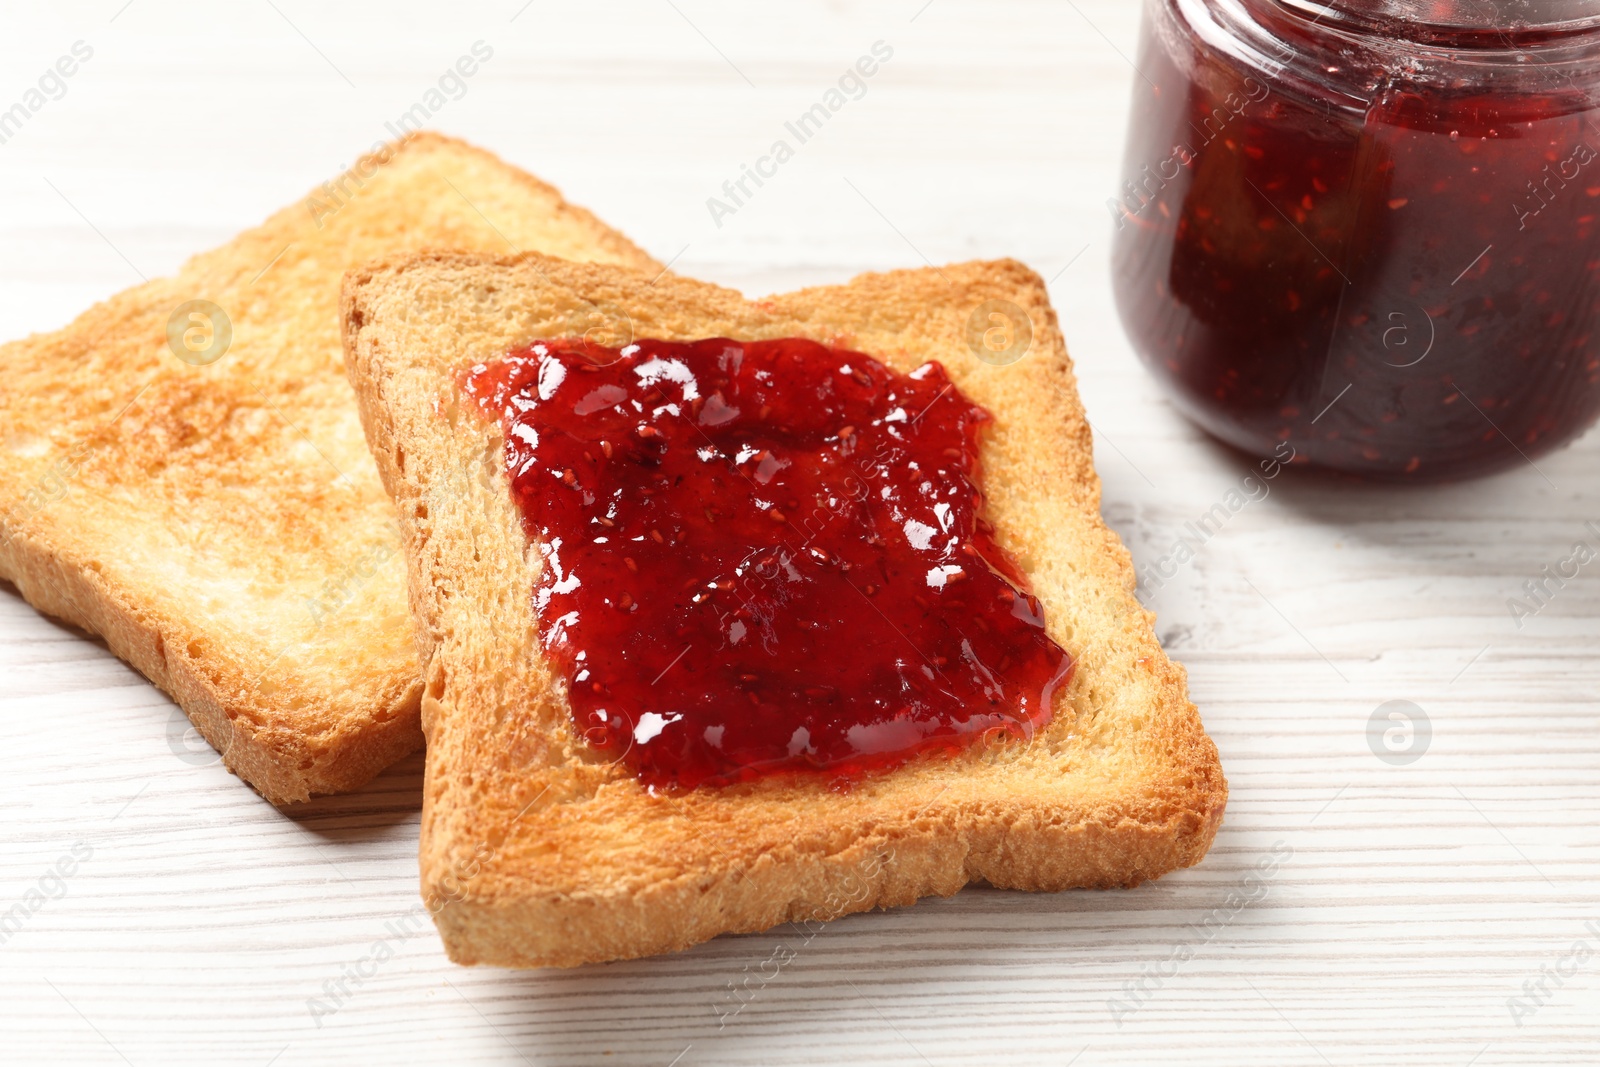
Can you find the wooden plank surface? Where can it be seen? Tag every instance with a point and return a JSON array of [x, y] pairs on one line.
[[1352, 911]]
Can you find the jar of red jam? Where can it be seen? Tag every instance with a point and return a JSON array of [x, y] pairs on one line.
[[1368, 228]]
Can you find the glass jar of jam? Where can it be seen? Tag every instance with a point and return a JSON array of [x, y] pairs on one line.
[[1368, 227]]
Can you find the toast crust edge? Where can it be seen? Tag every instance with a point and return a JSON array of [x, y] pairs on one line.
[[280, 763]]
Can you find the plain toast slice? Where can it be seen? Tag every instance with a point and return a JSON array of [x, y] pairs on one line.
[[536, 851], [221, 524]]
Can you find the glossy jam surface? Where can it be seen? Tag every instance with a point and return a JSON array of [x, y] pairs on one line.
[[765, 557], [1395, 270]]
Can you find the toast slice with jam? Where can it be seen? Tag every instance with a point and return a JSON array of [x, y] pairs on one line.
[[185, 474], [743, 612]]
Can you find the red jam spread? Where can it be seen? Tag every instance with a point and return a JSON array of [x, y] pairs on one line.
[[765, 556], [1395, 269]]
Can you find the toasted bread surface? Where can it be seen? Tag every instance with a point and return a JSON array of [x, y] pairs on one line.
[[535, 851], [222, 524]]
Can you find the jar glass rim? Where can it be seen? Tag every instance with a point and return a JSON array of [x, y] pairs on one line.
[[1287, 44], [1468, 24]]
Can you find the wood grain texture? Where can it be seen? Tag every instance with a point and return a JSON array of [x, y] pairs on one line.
[[1409, 902]]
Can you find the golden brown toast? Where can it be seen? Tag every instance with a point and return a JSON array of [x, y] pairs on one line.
[[222, 524], [538, 851]]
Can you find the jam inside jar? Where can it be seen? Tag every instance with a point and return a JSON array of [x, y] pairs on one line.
[[1375, 237]]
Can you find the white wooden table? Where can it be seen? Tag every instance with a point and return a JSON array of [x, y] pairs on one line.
[[1408, 905]]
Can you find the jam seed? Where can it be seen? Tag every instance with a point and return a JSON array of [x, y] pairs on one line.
[[776, 516], [656, 536], [632, 566]]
